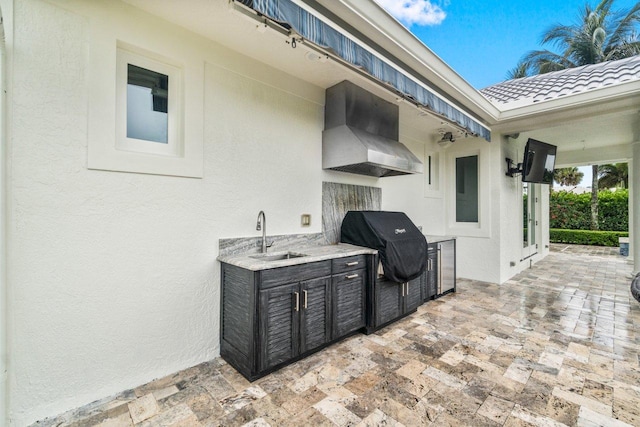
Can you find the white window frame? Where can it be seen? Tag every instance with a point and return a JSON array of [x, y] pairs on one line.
[[433, 189], [175, 138], [108, 147], [482, 228]]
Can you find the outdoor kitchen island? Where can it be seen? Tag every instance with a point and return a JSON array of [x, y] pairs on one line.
[[276, 311], [279, 307]]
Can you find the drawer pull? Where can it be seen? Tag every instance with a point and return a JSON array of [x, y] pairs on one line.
[[351, 264], [297, 307], [351, 276]]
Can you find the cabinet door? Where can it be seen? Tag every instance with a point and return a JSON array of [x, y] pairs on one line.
[[447, 265], [412, 295], [315, 313], [388, 301], [279, 324], [348, 302]]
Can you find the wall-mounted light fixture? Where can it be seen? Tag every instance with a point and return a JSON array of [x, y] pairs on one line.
[[446, 140]]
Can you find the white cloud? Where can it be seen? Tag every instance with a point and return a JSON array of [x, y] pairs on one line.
[[421, 12]]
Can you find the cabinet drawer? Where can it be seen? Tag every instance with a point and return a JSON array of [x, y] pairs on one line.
[[356, 262], [349, 277], [294, 273]]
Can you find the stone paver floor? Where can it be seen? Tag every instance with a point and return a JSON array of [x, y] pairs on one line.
[[559, 344]]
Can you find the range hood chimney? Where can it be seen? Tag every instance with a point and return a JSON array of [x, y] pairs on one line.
[[361, 134]]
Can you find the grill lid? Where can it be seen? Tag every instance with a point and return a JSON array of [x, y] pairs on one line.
[[401, 246]]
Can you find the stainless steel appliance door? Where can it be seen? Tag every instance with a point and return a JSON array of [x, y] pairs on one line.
[[446, 266]]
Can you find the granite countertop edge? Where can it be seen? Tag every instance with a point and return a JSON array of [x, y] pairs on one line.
[[313, 254]]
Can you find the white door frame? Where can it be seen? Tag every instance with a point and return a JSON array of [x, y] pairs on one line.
[[532, 210]]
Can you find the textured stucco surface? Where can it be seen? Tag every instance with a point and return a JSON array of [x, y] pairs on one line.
[[113, 278], [113, 275]]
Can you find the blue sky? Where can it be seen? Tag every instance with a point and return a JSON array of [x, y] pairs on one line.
[[483, 40]]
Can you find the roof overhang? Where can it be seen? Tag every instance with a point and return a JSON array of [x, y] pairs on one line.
[[331, 36], [369, 20], [611, 99]]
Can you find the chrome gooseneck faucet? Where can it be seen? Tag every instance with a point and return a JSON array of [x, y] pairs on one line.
[[262, 225]]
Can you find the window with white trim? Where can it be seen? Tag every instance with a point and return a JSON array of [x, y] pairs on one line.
[[148, 105], [146, 109], [467, 189]]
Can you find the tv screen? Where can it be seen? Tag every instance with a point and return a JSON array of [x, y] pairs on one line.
[[539, 162]]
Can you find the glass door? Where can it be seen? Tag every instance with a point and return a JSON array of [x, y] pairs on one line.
[[530, 221]]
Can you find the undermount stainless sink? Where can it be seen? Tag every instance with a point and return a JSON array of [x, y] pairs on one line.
[[278, 256]]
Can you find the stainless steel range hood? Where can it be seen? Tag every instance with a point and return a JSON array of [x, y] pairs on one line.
[[361, 134]]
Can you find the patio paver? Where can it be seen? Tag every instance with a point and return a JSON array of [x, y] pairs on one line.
[[559, 344]]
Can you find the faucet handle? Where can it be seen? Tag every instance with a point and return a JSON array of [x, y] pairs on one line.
[[270, 244]]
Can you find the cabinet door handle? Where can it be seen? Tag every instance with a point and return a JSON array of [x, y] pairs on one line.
[[351, 264], [403, 289], [304, 295], [439, 270], [297, 306], [351, 276]]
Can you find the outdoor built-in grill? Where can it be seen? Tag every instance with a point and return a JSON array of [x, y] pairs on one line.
[[395, 287]]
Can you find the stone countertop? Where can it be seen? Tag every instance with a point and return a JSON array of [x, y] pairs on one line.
[[313, 254], [436, 239]]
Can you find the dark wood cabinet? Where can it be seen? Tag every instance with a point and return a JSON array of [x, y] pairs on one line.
[[349, 293], [279, 325], [273, 317], [440, 276], [386, 303], [294, 319], [430, 277], [412, 295], [389, 301], [315, 314]]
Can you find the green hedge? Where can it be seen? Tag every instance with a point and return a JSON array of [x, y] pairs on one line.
[[613, 210], [573, 211], [586, 237]]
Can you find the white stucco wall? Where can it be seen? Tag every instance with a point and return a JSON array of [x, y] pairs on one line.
[[113, 278], [3, 238], [478, 252], [510, 212], [406, 193]]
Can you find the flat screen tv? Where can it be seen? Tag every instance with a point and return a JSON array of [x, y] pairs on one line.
[[539, 162]]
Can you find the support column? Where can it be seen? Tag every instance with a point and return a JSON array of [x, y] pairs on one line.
[[634, 208]]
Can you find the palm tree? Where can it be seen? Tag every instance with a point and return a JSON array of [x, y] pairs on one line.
[[616, 175], [568, 177], [521, 70], [600, 35]]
